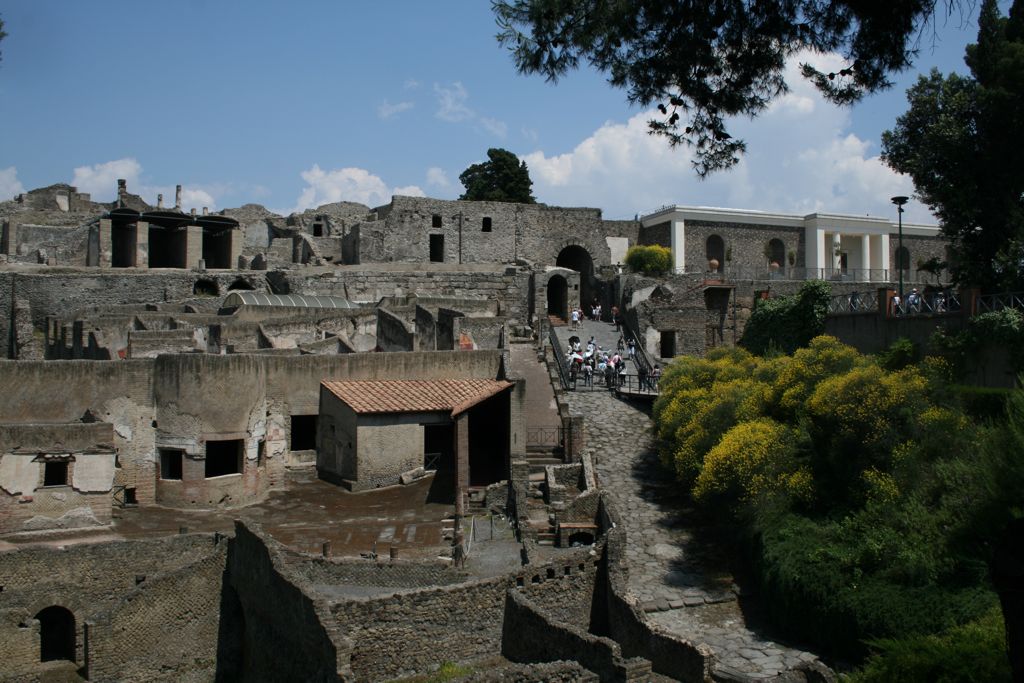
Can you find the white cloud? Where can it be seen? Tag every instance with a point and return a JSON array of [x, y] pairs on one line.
[[493, 126], [411, 84], [347, 185], [436, 177], [801, 158], [100, 180], [386, 110], [10, 186], [451, 103]]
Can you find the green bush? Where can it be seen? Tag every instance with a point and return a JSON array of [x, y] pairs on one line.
[[974, 651], [983, 403], [649, 259], [787, 323], [899, 355]]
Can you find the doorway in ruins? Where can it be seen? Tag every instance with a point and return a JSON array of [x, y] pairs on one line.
[[217, 249], [575, 257], [558, 297], [167, 247], [56, 634]]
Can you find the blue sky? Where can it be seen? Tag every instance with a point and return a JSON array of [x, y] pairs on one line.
[[292, 105]]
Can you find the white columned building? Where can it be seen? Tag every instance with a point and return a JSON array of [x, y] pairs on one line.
[[834, 246]]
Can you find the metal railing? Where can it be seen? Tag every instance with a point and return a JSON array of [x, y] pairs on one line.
[[854, 302], [560, 360], [640, 358], [799, 273], [545, 437], [990, 303], [932, 303]]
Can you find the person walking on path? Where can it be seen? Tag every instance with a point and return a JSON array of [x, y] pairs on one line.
[[632, 349], [615, 317], [575, 319]]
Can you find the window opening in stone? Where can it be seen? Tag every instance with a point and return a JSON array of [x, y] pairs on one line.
[[56, 634], [715, 250], [303, 429], [240, 285], [129, 496], [261, 454], [223, 457], [776, 253], [318, 230], [903, 259], [437, 248], [55, 474], [170, 463], [581, 538], [486, 224], [435, 221], [668, 343]]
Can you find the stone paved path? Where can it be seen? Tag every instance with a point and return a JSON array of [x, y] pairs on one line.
[[676, 577]]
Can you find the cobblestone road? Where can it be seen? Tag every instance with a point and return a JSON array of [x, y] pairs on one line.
[[676, 577]]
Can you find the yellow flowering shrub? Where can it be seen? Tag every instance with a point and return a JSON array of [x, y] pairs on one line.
[[753, 458], [826, 356]]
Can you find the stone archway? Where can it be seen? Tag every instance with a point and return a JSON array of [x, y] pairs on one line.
[[56, 634], [575, 257], [558, 297]]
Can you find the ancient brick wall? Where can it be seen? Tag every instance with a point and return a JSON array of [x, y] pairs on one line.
[[275, 630], [745, 244], [388, 574], [85, 579], [164, 629], [532, 634]]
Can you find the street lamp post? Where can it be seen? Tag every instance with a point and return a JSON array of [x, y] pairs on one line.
[[899, 202]]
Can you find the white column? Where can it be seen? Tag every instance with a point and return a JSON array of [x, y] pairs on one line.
[[814, 257], [677, 233], [865, 256], [880, 257]]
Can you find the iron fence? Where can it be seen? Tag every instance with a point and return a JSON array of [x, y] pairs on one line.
[[854, 302], [941, 302], [799, 273], [990, 303], [560, 360]]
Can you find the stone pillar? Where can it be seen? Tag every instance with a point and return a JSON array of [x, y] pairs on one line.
[[159, 201], [177, 197], [461, 447], [677, 232], [141, 245], [237, 241], [193, 246], [106, 247], [865, 256], [814, 257], [9, 238], [574, 441]]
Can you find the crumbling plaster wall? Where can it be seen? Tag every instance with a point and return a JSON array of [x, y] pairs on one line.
[[61, 392]]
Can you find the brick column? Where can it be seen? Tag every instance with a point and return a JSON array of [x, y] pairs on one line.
[[237, 240], [193, 246], [106, 247], [141, 245]]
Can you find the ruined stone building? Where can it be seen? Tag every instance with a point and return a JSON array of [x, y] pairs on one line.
[[241, 446]]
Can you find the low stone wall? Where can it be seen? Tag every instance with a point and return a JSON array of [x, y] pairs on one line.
[[531, 635], [380, 573], [668, 654]]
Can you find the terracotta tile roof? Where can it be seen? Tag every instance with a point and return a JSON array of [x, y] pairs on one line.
[[414, 396]]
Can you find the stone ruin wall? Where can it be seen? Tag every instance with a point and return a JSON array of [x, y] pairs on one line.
[[162, 593]]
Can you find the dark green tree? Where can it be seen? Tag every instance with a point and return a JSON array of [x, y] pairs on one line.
[[502, 178], [702, 62], [962, 142]]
